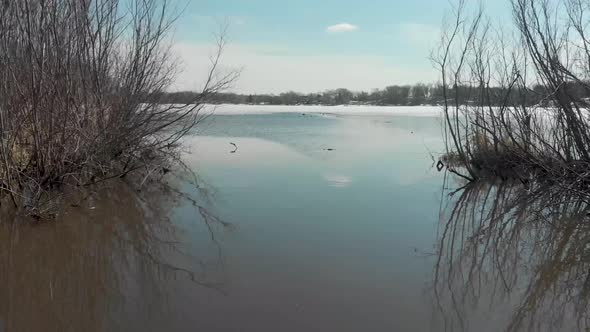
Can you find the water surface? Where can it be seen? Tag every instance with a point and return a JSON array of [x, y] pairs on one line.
[[308, 222]]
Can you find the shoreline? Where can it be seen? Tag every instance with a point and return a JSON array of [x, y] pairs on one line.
[[243, 109]]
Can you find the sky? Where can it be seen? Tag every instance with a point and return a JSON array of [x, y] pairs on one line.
[[314, 45]]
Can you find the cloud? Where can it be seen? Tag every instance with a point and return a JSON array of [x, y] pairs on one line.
[[419, 34], [342, 27], [269, 68]]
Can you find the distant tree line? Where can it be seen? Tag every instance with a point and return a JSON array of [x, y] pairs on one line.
[[418, 94], [395, 95]]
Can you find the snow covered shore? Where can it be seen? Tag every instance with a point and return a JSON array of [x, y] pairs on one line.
[[226, 109]]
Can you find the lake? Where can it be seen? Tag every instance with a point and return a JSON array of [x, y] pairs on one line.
[[303, 219]]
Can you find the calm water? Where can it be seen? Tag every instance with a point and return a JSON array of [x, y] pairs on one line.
[[316, 222]]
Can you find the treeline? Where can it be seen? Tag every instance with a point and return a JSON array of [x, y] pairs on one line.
[[395, 95], [419, 94]]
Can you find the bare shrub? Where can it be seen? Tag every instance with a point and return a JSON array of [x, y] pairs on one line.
[[514, 94], [80, 82]]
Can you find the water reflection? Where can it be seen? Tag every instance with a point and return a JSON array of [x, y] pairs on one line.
[[338, 181], [515, 255], [107, 264]]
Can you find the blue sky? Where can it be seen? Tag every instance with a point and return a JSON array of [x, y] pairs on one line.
[[313, 45]]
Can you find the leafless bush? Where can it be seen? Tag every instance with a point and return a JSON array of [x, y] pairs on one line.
[[543, 56], [79, 87]]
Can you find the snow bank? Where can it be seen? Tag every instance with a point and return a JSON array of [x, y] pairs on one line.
[[426, 111]]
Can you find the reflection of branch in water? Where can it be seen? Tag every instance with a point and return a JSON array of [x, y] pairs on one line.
[[208, 218], [235, 148], [93, 267], [517, 246], [144, 252]]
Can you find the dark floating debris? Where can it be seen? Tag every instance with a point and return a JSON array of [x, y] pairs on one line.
[[330, 149], [235, 148]]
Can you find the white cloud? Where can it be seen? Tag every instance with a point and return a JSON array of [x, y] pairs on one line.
[[419, 34], [342, 27], [274, 69]]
